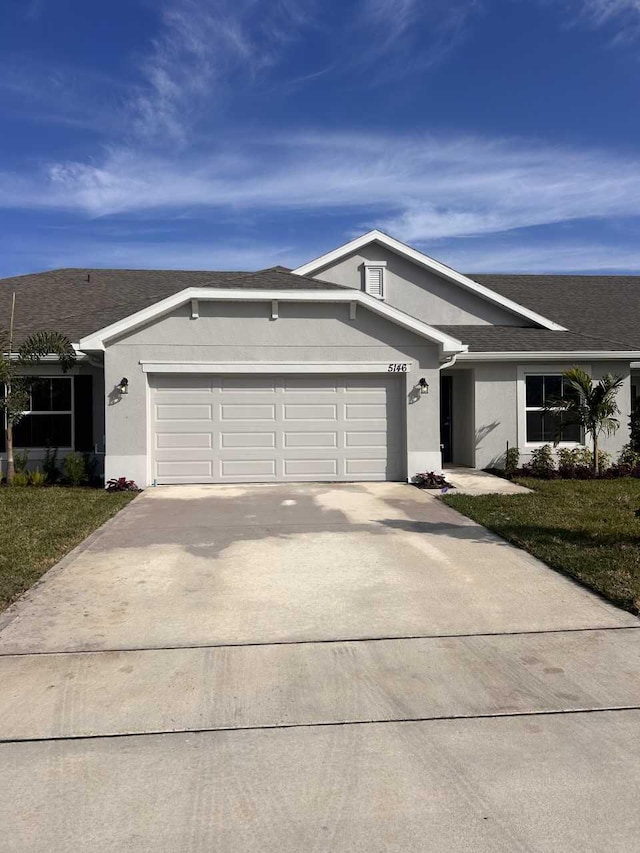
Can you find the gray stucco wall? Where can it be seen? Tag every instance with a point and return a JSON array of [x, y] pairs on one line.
[[499, 408], [463, 403], [245, 332], [419, 292]]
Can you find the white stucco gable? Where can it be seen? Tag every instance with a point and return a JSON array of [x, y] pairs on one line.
[[494, 308]]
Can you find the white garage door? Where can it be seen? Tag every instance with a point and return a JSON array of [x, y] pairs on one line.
[[225, 429]]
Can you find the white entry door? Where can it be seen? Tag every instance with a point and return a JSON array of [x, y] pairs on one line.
[[232, 429]]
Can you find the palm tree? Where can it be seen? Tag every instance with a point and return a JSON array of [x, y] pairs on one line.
[[592, 406], [17, 386]]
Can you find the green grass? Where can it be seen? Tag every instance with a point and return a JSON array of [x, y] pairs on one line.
[[38, 526], [586, 529]]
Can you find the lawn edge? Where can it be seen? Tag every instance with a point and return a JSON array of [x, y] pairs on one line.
[[576, 580], [10, 613]]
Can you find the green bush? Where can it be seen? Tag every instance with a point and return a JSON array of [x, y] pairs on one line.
[[20, 461], [75, 468], [511, 460], [566, 459], [21, 478], [542, 462], [50, 464], [37, 478], [629, 456]]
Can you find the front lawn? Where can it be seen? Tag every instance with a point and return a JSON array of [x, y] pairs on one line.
[[38, 526], [585, 528]]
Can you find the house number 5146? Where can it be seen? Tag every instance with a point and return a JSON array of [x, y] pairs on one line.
[[397, 368]]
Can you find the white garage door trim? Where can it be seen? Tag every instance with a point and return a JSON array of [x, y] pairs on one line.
[[346, 458], [276, 367]]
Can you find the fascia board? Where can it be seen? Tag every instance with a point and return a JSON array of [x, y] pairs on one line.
[[576, 355]]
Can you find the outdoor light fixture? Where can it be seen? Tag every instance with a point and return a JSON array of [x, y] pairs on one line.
[[424, 386], [123, 387]]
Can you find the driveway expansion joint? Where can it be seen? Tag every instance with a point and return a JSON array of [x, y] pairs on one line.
[[325, 724]]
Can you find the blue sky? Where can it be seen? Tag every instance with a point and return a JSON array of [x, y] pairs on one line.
[[496, 135]]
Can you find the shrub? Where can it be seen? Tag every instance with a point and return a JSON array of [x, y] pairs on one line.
[[91, 468], [121, 484], [431, 480], [37, 478], [20, 461], [19, 479], [75, 469], [50, 464], [634, 426], [629, 456], [542, 462], [511, 460]]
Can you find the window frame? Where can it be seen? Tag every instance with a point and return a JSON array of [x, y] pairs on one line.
[[36, 412], [382, 266], [523, 409]]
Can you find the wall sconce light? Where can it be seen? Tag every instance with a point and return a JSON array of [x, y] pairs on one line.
[[424, 386], [123, 387]]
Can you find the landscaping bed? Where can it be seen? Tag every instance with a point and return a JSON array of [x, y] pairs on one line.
[[587, 529], [41, 525]]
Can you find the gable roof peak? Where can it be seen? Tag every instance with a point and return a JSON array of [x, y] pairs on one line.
[[420, 259]]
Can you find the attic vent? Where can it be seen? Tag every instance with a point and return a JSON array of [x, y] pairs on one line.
[[374, 275]]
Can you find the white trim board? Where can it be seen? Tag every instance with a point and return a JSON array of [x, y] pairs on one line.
[[276, 367], [431, 264], [594, 355], [97, 340]]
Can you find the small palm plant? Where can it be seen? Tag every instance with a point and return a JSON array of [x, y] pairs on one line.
[[17, 385], [590, 405]]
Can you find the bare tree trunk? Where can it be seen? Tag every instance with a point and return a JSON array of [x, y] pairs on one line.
[[11, 469], [595, 454]]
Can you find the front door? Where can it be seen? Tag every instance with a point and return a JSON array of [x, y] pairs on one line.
[[446, 387]]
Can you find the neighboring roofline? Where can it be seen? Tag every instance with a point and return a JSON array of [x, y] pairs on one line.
[[551, 355], [96, 341], [437, 267]]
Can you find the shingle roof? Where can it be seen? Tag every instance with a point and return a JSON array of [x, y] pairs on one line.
[[604, 306], [600, 312], [519, 339], [77, 302]]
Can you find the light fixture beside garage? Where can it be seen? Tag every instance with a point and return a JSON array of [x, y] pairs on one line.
[[123, 386], [424, 386]]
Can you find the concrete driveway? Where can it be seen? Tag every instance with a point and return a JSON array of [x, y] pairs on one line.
[[314, 668]]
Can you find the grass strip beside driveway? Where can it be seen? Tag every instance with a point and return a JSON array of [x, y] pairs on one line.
[[584, 528], [38, 526]]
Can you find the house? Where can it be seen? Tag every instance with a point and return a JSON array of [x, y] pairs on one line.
[[371, 362]]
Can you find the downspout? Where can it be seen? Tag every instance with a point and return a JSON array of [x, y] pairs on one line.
[[449, 363]]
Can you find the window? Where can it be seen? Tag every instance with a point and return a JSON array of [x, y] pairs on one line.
[[48, 422], [374, 275], [542, 427]]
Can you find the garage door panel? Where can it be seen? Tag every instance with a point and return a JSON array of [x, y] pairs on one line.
[[311, 467], [247, 384], [248, 468], [183, 440], [181, 412], [247, 412], [252, 440], [184, 468], [366, 439], [265, 428], [310, 439]]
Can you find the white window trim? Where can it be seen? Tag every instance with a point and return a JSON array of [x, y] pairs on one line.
[[375, 265], [521, 393], [70, 412]]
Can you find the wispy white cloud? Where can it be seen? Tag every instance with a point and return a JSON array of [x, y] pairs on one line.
[[553, 257], [622, 17], [421, 188], [406, 35], [201, 48]]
